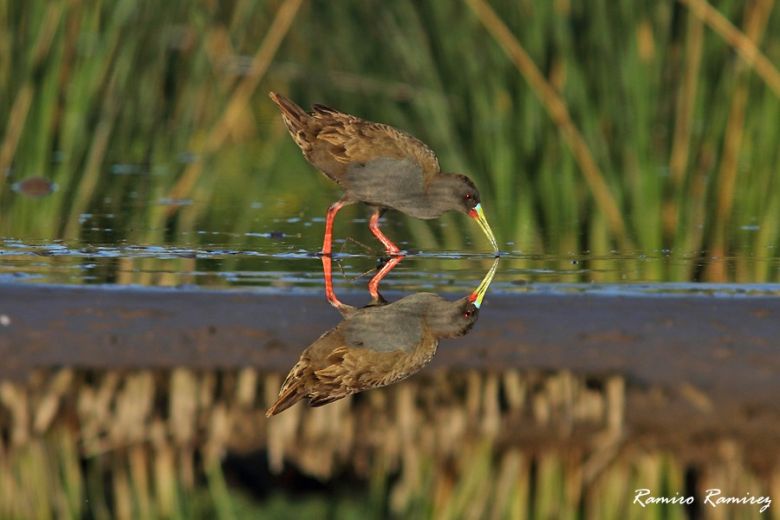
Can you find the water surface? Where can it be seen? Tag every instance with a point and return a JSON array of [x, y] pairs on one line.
[[282, 252]]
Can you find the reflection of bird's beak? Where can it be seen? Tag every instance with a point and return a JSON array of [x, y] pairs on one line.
[[479, 295], [479, 215]]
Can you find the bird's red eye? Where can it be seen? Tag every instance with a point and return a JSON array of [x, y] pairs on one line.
[[468, 314], [469, 196]]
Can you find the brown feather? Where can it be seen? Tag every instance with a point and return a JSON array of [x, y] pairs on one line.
[[332, 140], [328, 370], [288, 396]]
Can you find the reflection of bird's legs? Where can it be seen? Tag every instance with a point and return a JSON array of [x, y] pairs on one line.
[[373, 284], [341, 251], [327, 270], [373, 225], [329, 217]]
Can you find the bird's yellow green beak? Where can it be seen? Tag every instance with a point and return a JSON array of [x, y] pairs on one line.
[[479, 215], [479, 294]]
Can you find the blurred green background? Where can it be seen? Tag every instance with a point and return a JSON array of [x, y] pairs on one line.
[[156, 115]]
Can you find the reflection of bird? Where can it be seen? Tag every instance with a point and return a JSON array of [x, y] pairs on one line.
[[377, 345], [374, 346], [379, 165]]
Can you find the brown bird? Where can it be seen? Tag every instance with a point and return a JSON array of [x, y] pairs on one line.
[[379, 165], [377, 345]]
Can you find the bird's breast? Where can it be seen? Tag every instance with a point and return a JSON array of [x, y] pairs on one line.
[[382, 332], [390, 183]]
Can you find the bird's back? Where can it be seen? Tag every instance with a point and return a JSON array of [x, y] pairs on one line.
[[344, 146]]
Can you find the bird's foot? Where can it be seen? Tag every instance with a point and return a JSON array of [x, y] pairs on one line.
[[381, 261]]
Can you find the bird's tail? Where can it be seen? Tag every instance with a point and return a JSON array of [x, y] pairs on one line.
[[288, 397], [294, 116]]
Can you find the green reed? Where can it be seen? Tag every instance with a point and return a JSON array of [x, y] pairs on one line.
[[655, 94]]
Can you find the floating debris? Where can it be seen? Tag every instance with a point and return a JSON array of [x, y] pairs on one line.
[[34, 186]]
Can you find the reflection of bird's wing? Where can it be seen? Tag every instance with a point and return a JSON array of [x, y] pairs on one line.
[[329, 370], [353, 370], [299, 378], [348, 139]]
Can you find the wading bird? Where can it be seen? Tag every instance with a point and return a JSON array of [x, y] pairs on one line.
[[379, 165]]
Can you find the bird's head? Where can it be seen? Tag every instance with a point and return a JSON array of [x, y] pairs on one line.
[[458, 192], [467, 315], [451, 319]]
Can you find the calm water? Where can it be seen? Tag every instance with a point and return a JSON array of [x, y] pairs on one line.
[[281, 252], [284, 265]]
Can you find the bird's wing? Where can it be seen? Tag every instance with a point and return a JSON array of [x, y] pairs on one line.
[[353, 140], [300, 377], [329, 370], [357, 369], [294, 387]]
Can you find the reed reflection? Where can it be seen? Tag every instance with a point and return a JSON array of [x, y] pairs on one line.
[[379, 344]]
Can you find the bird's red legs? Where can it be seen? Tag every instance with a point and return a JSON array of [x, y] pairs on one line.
[[329, 217], [327, 260], [373, 225], [373, 284], [327, 270]]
